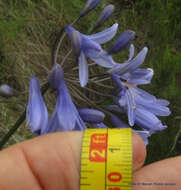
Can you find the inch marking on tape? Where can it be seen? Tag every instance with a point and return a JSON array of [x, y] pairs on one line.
[[106, 159]]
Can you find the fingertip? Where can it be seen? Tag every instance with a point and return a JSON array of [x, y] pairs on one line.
[[139, 152]]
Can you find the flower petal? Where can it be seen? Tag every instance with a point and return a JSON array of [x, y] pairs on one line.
[[162, 102], [83, 70], [147, 120], [154, 108], [53, 124], [102, 59], [36, 112], [131, 52], [90, 47], [130, 66], [145, 95], [104, 36], [131, 106], [144, 135], [139, 76], [68, 115], [80, 124]]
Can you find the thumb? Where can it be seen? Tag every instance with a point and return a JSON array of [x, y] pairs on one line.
[[50, 162]]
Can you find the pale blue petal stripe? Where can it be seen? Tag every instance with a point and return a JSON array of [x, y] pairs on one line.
[[104, 36], [83, 70]]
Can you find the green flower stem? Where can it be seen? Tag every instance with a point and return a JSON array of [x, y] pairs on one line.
[[21, 119], [59, 41]]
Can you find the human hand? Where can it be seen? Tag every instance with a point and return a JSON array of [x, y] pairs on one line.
[[52, 162]]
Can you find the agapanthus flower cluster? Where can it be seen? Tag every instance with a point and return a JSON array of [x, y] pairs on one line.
[[141, 108]]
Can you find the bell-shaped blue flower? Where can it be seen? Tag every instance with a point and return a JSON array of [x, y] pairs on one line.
[[91, 4], [91, 115], [91, 47], [105, 15], [6, 91], [68, 116], [36, 112], [140, 106]]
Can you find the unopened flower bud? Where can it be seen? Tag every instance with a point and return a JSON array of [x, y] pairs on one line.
[[76, 41], [91, 115], [91, 4], [56, 76], [104, 16], [6, 91], [122, 41]]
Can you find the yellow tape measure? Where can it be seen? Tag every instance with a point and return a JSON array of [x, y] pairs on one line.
[[106, 159]]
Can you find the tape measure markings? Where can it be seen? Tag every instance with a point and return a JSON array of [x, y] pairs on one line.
[[105, 162]]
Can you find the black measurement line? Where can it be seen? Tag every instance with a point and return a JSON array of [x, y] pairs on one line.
[[84, 152], [83, 177], [84, 164], [85, 184], [85, 146], [86, 141], [106, 159], [127, 178], [88, 171], [85, 158]]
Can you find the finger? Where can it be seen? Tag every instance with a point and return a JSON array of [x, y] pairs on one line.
[[139, 152], [50, 162], [162, 175]]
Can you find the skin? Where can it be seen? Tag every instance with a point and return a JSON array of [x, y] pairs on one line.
[[52, 162]]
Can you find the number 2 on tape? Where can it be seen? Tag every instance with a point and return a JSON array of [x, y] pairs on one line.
[[98, 146]]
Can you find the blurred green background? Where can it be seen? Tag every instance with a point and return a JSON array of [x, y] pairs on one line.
[[28, 29]]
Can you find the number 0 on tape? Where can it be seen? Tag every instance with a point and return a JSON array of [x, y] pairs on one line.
[[106, 159]]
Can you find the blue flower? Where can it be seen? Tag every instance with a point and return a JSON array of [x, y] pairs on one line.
[[91, 48], [6, 91], [131, 67], [141, 107], [36, 113], [105, 15], [91, 4], [65, 116]]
